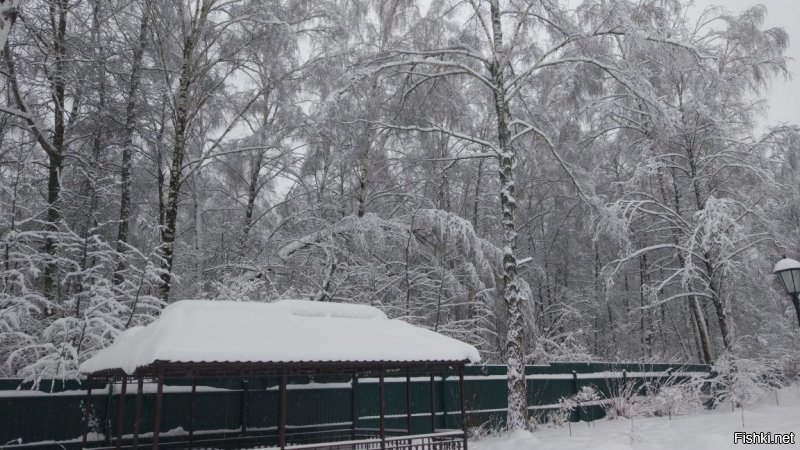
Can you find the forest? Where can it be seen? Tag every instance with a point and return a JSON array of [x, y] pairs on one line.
[[546, 180]]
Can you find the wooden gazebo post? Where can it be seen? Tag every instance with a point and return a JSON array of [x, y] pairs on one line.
[[443, 400], [433, 405], [243, 405], [282, 412], [159, 400], [121, 413], [138, 418], [192, 406], [408, 402], [463, 408], [354, 406], [86, 412], [383, 409]]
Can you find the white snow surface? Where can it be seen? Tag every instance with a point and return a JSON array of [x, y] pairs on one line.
[[282, 331], [711, 431], [786, 263]]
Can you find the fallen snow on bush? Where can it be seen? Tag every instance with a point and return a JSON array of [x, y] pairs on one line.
[[713, 430]]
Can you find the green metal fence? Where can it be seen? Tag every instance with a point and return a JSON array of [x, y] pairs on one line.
[[51, 416]]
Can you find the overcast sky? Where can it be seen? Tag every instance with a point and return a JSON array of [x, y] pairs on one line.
[[783, 98]]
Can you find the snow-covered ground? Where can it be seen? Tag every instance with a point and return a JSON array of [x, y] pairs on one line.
[[714, 430]]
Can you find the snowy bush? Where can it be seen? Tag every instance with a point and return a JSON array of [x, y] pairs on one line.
[[586, 394], [666, 400], [742, 381], [567, 406], [621, 405], [660, 396], [490, 428], [560, 416], [791, 368]]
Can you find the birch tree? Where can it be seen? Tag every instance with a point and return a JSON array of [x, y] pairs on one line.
[[704, 142], [203, 68], [130, 125], [53, 40], [502, 48]]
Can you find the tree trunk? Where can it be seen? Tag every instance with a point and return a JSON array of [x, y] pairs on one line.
[[53, 216], [159, 169], [198, 215], [181, 128], [130, 128], [443, 193], [52, 144], [364, 148], [716, 297], [720, 307], [92, 171], [173, 189], [13, 226], [59, 139], [515, 355], [252, 193], [646, 325], [476, 200], [701, 329]]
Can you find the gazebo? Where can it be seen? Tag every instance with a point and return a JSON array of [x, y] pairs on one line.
[[196, 339]]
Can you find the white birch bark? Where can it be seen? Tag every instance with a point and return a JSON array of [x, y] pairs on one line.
[[517, 417]]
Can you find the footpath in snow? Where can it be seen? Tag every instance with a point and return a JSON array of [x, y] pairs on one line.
[[713, 431]]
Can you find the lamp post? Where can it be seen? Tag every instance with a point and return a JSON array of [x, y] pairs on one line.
[[788, 271]]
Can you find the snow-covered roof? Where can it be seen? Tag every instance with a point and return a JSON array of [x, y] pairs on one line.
[[286, 331], [786, 263]]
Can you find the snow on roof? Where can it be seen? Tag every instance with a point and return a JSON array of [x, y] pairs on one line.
[[283, 331], [786, 263]]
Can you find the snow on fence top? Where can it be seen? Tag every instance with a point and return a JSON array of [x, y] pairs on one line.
[[280, 332]]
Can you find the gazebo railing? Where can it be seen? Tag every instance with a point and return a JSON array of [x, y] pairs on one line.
[[443, 440], [337, 439]]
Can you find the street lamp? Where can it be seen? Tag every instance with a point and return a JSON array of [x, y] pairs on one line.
[[788, 271]]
